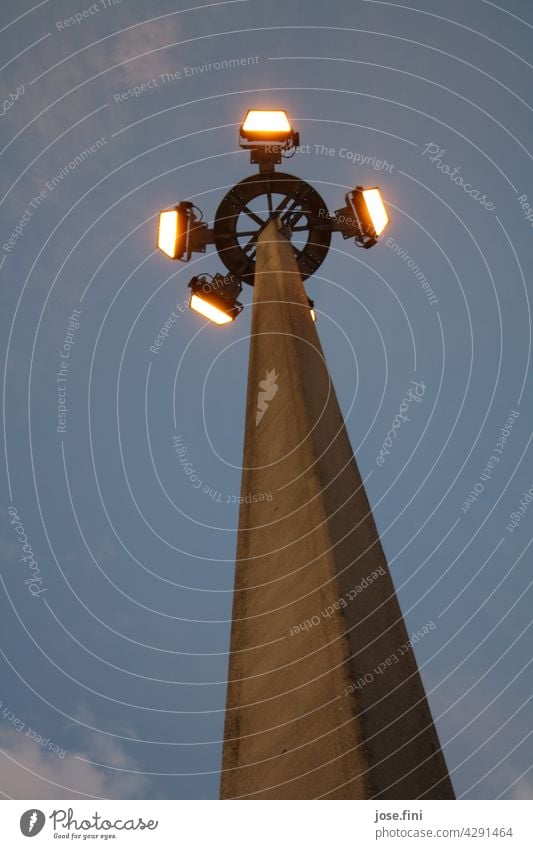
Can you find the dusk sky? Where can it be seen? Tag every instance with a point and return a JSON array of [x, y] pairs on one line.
[[116, 570]]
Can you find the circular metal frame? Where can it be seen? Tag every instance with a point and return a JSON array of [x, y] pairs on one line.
[[301, 210]]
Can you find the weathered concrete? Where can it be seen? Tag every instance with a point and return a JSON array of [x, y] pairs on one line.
[[297, 727]]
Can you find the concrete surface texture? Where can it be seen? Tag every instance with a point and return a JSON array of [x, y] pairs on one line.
[[315, 610]]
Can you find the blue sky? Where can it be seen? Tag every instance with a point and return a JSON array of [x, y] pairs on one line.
[[117, 656]]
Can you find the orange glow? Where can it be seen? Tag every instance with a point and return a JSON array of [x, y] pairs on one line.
[[376, 209], [209, 311], [167, 239], [267, 122]]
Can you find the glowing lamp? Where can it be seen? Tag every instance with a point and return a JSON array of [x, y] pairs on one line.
[[266, 132], [375, 209], [266, 125], [216, 299], [369, 210], [172, 232], [216, 313]]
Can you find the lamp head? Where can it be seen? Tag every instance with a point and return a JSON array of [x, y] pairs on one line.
[[368, 207], [173, 231], [215, 298], [180, 232], [266, 132]]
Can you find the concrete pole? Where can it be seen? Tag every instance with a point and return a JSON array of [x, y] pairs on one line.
[[315, 611]]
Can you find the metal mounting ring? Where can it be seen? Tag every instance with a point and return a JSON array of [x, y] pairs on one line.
[[301, 210]]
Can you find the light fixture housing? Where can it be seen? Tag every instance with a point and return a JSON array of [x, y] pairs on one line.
[[371, 216], [180, 232], [267, 127], [312, 309], [215, 297], [374, 208], [172, 232]]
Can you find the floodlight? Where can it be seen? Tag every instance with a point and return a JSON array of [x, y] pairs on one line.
[[215, 298], [312, 309], [369, 210], [180, 232], [205, 307], [267, 127], [376, 209], [172, 232], [364, 217]]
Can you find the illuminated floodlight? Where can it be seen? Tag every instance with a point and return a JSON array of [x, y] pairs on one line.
[[370, 215], [263, 127], [364, 217], [376, 209], [180, 231], [204, 306], [215, 298], [312, 309], [172, 232], [266, 125]]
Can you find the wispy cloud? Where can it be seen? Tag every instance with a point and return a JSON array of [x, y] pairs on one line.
[[29, 772]]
